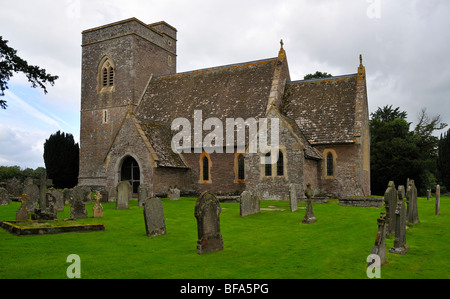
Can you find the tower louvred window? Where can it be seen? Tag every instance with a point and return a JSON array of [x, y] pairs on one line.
[[111, 76]]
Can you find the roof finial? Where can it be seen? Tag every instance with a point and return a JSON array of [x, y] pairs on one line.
[[281, 43], [360, 59]]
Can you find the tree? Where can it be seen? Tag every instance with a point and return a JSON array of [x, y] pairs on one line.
[[443, 160], [398, 153], [317, 75], [10, 63], [61, 158]]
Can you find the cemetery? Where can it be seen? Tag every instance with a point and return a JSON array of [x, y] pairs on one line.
[[204, 237]]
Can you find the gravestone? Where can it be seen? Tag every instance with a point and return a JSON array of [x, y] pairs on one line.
[[123, 195], [207, 212], [23, 213], [293, 198], [32, 191], [379, 248], [154, 217], [174, 194], [428, 194], [309, 214], [14, 187], [142, 195], [77, 206], [97, 209], [112, 196], [390, 204], [4, 197], [104, 195], [438, 200], [249, 203], [411, 197], [43, 183], [400, 246], [59, 196], [67, 196], [50, 204]]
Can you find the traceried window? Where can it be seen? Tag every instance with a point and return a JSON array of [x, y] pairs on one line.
[[106, 74]]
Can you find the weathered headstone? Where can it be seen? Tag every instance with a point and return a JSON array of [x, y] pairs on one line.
[[123, 195], [400, 246], [293, 198], [59, 196], [309, 214], [33, 193], [97, 209], [78, 208], [207, 212], [174, 194], [438, 200], [379, 248], [4, 197], [154, 217], [411, 197], [14, 187], [249, 203], [23, 213], [112, 196], [50, 204], [428, 194], [142, 195], [67, 196], [390, 204]]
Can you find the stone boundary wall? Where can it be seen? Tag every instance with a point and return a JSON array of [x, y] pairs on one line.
[[361, 201]]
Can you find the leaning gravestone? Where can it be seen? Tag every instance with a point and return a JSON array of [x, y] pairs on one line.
[[379, 248], [174, 194], [249, 203], [78, 208], [33, 193], [390, 204], [400, 246], [23, 213], [438, 200], [123, 195], [207, 212], [142, 195], [309, 215], [4, 197], [154, 217], [411, 196], [293, 198]]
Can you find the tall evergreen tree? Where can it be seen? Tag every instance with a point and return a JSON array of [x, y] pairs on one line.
[[443, 161], [61, 158]]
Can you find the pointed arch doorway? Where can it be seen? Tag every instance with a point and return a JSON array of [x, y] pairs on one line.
[[130, 172]]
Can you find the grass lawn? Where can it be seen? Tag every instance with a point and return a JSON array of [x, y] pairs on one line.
[[268, 245]]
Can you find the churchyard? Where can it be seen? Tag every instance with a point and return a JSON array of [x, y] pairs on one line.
[[270, 243]]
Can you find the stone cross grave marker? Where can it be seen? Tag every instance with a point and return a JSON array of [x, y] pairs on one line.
[[154, 217], [123, 195], [249, 203], [97, 209], [411, 196], [78, 208], [32, 191], [293, 198], [400, 246], [379, 248], [309, 214], [438, 200], [23, 213], [43, 183], [390, 204], [207, 212]]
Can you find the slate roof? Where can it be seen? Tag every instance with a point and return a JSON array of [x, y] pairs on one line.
[[230, 91], [324, 109], [160, 137]]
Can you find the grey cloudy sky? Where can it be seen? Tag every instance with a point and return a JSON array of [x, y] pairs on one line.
[[404, 44]]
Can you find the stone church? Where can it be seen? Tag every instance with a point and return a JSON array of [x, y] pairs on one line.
[[131, 93]]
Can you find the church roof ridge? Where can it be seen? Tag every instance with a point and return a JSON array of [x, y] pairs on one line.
[[220, 67], [324, 79]]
